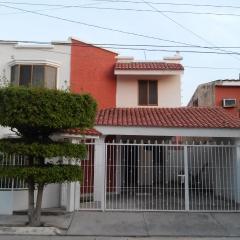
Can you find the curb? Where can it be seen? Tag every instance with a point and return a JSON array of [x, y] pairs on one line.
[[43, 231]]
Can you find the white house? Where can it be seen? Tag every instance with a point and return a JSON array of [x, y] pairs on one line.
[[134, 162]]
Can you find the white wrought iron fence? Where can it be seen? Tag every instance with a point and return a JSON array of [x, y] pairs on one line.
[[9, 183], [160, 177]]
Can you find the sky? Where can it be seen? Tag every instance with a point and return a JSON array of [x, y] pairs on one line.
[[157, 24]]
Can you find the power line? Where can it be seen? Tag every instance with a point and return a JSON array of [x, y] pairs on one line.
[[165, 50], [117, 45], [102, 27], [112, 29], [185, 66], [186, 29], [173, 4], [55, 7], [86, 6], [212, 68], [98, 26], [154, 11], [79, 45], [138, 49]]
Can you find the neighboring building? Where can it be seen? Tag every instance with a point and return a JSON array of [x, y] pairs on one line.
[[219, 93], [41, 65]]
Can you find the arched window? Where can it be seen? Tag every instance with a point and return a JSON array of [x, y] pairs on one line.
[[34, 75]]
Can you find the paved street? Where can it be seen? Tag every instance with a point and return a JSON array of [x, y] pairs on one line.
[[107, 238]]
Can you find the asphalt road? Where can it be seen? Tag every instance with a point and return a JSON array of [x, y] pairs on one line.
[[106, 238]]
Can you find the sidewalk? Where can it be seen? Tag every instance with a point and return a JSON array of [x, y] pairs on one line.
[[53, 225], [126, 225], [155, 224]]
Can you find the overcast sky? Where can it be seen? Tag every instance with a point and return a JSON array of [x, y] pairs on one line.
[[204, 30]]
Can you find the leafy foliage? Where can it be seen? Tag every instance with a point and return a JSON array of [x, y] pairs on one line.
[[42, 175], [35, 114], [39, 110], [42, 150]]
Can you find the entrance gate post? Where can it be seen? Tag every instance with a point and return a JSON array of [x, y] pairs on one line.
[[186, 182], [99, 172]]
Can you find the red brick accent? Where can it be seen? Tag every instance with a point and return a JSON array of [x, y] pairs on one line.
[[92, 71]]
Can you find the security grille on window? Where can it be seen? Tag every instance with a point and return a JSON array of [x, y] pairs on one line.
[[147, 93], [34, 75]]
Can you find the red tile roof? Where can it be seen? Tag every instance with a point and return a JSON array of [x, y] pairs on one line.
[[77, 131], [185, 117], [148, 66]]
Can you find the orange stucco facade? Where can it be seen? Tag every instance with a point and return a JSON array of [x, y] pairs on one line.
[[92, 71], [233, 92]]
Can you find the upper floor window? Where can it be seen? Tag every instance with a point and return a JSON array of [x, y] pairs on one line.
[[34, 75], [148, 92]]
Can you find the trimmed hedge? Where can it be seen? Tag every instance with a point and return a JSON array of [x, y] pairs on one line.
[[45, 110], [35, 149], [44, 175]]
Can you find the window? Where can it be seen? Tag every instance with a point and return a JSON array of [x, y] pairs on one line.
[[147, 92], [34, 75]]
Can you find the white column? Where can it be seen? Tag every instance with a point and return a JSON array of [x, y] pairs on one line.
[[99, 171], [73, 190], [186, 181], [70, 197], [237, 170]]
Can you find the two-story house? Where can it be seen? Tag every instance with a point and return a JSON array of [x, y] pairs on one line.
[[129, 165]]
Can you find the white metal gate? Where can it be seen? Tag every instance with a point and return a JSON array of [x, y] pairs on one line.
[[161, 177]]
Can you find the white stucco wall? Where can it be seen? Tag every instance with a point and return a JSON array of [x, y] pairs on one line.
[[18, 200], [169, 90], [57, 55]]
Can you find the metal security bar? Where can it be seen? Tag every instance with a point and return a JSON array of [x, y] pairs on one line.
[[160, 177], [9, 183], [145, 177], [213, 178], [168, 177]]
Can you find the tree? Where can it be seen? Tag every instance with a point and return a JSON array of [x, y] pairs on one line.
[[34, 115]]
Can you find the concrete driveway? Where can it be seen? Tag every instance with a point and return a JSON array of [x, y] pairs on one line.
[[151, 224]]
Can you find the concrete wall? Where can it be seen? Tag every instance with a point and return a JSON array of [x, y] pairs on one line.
[[169, 90], [18, 200], [204, 96]]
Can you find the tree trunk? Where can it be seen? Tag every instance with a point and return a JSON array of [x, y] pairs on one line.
[[30, 201], [34, 212], [35, 218]]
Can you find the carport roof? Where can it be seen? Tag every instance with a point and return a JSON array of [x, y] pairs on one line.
[[182, 117]]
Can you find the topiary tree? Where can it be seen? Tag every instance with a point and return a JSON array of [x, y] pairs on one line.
[[34, 115]]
